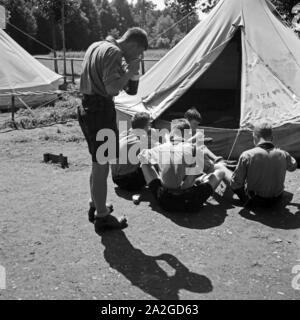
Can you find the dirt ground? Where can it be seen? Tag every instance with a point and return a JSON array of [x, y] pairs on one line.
[[50, 250]]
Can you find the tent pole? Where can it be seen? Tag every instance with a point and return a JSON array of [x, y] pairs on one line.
[[144, 25], [239, 76]]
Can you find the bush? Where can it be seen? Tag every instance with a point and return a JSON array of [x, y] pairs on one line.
[[163, 43], [177, 38], [114, 33]]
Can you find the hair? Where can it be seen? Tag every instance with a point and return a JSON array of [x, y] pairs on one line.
[[140, 120], [263, 130], [137, 35], [193, 114], [179, 126]]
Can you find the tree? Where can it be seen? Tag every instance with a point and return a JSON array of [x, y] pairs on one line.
[[44, 34], [89, 8], [78, 33], [206, 5], [296, 19], [51, 10], [183, 8], [108, 17], [125, 20], [165, 28], [141, 11], [285, 8], [21, 16]]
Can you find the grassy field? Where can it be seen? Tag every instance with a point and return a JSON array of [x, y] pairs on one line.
[[149, 54]]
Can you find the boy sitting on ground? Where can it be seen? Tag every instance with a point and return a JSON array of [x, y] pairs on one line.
[[174, 186], [128, 174], [260, 173]]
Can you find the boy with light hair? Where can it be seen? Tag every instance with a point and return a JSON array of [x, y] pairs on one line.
[[179, 183]]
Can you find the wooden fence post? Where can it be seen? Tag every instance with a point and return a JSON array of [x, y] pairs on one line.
[[13, 108], [143, 64], [55, 62], [72, 69]]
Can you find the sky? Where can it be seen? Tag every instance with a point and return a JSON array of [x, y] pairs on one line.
[[160, 4]]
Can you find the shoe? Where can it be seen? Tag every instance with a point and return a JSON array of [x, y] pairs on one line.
[[92, 210], [109, 222], [136, 198]]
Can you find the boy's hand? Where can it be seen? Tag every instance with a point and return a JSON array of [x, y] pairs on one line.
[[134, 66]]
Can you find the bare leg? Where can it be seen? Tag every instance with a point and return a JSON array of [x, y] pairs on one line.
[[189, 181], [210, 154], [92, 204], [213, 179], [99, 187], [91, 201], [149, 172], [103, 218], [227, 172]]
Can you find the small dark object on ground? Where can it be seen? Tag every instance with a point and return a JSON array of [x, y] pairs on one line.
[[57, 159]]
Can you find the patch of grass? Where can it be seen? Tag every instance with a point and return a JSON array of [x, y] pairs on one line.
[[62, 111], [62, 137]]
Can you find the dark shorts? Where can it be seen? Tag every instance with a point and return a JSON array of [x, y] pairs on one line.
[[132, 182], [188, 200], [98, 113], [257, 201]]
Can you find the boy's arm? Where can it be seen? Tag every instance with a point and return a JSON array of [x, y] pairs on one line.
[[291, 163], [239, 176], [196, 138]]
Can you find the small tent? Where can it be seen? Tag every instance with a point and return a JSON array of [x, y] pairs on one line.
[[237, 66], [23, 75]]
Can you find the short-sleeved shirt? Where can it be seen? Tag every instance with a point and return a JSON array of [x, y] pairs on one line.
[[128, 139], [262, 170], [130, 146], [173, 160], [102, 64]]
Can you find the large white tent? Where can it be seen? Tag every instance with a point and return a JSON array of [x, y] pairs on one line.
[[21, 74], [239, 65]]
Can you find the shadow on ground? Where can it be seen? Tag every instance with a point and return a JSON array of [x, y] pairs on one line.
[[279, 217], [210, 216], [144, 272], [127, 195]]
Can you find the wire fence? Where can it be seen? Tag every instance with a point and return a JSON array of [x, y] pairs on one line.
[[74, 65]]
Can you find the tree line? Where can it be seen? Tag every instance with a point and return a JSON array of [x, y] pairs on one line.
[[87, 21]]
